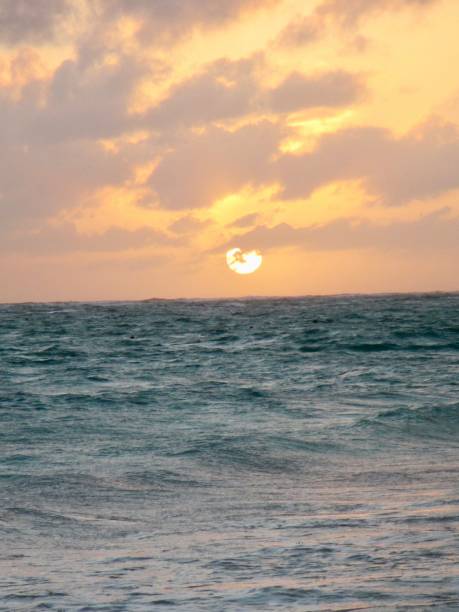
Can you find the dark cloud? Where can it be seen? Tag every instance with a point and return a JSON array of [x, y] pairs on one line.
[[64, 239], [37, 181], [33, 21], [227, 90], [349, 12], [342, 13], [208, 166], [89, 101], [38, 21], [177, 11], [187, 225], [436, 231], [50, 158], [85, 100], [418, 166], [297, 91], [301, 31], [79, 102], [166, 19], [224, 90], [214, 164], [245, 221]]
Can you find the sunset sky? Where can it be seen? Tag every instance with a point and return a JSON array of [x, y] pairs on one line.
[[142, 139]]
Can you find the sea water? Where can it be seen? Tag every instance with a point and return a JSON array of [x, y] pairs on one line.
[[291, 454]]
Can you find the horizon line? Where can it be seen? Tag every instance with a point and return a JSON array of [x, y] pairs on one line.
[[239, 298]]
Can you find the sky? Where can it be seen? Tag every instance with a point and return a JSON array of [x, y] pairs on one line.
[[140, 140]]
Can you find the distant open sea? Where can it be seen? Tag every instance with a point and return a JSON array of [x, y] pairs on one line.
[[290, 454]]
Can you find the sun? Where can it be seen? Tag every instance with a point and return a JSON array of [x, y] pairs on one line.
[[243, 262]]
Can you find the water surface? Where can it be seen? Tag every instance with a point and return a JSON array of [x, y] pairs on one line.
[[293, 454]]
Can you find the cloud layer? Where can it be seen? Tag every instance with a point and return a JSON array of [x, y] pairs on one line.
[[33, 21], [173, 128], [433, 232], [344, 14]]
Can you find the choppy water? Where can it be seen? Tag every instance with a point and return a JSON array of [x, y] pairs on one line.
[[297, 454]]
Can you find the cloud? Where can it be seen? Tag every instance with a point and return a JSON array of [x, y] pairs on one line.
[[297, 91], [227, 90], [419, 165], [89, 101], [39, 21], [187, 225], [432, 232], [50, 158], [340, 13], [245, 221], [224, 90], [33, 21], [37, 181], [65, 239], [178, 12], [212, 165], [166, 19], [301, 31], [349, 12], [80, 101], [205, 167]]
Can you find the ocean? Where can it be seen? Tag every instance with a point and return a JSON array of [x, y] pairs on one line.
[[266, 454]]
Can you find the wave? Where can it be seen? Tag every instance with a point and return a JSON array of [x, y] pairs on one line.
[[424, 422]]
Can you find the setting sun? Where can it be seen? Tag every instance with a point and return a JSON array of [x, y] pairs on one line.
[[147, 139], [243, 262], [229, 304]]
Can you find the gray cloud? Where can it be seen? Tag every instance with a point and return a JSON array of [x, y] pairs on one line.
[[331, 89], [341, 13], [36, 181], [224, 90], [245, 221], [64, 239], [208, 166], [50, 160], [301, 31], [349, 12], [214, 164], [166, 19], [32, 21], [49, 136], [81, 101], [228, 90], [416, 166], [436, 231], [176, 11], [49, 155], [88, 101], [187, 225], [38, 21]]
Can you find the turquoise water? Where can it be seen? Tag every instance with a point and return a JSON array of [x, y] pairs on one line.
[[291, 454]]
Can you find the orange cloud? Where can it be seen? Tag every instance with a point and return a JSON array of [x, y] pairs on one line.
[[152, 131]]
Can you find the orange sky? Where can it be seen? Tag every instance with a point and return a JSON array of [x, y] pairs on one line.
[[141, 139]]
